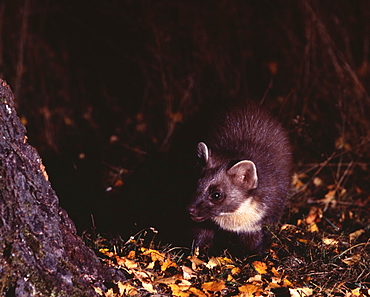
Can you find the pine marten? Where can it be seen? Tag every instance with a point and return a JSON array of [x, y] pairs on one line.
[[245, 171]]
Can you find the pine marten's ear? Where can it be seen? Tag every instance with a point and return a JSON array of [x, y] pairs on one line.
[[244, 173], [203, 152]]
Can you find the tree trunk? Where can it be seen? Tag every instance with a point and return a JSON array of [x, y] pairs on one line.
[[40, 252]]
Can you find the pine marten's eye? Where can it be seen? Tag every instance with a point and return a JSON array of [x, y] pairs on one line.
[[216, 196]]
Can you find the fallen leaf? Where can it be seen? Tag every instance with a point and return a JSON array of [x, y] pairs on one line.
[[149, 287], [196, 262], [213, 286], [314, 215], [106, 252], [219, 261], [225, 260], [170, 280], [131, 255], [297, 182], [255, 279], [177, 291], [99, 291], [287, 283], [312, 228], [260, 267], [249, 289], [143, 276], [273, 285], [301, 240], [329, 199], [235, 270], [129, 264], [356, 292], [167, 263], [354, 235], [126, 289], [188, 273], [330, 241], [275, 272], [213, 262], [197, 292], [352, 260], [288, 227], [154, 254], [230, 278], [109, 293]]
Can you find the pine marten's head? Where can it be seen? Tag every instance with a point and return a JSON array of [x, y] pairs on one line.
[[226, 193]]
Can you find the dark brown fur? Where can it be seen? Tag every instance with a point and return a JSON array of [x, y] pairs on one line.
[[244, 179]]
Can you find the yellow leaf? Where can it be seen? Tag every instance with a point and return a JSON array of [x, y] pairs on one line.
[[260, 267], [302, 240], [126, 289], [287, 227], [224, 260], [131, 255], [354, 235], [177, 291], [273, 285], [330, 241], [104, 251], [356, 292], [99, 291], [312, 228], [352, 260], [287, 283], [195, 262], [249, 289], [219, 261], [155, 255], [129, 264], [109, 293], [275, 272], [235, 270], [167, 263], [230, 278], [213, 286], [197, 292]]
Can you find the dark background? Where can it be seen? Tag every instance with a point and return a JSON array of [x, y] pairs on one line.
[[102, 86]]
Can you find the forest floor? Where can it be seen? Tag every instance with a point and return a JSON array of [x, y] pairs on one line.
[[320, 248]]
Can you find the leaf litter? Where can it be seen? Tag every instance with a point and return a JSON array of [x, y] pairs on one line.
[[322, 249]]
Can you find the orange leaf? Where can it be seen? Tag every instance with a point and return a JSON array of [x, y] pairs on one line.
[[249, 289], [354, 235], [213, 286], [197, 292], [260, 267], [122, 261], [154, 254], [167, 263]]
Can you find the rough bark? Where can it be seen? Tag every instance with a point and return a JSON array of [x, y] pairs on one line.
[[40, 252]]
